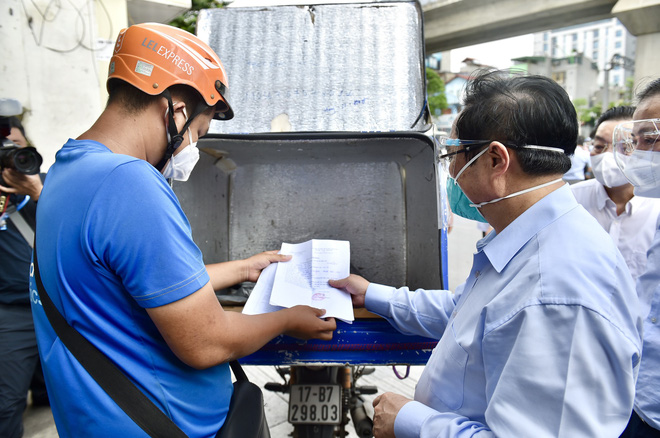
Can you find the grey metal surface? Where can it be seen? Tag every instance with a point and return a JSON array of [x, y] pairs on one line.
[[378, 192], [340, 67]]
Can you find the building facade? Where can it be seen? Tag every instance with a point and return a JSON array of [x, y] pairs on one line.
[[598, 40], [577, 74]]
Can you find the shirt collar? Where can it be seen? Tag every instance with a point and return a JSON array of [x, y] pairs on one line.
[[634, 204], [603, 199], [501, 248]]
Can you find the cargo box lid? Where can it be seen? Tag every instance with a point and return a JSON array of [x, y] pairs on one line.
[[332, 67]]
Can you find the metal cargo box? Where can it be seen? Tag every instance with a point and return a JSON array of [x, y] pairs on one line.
[[251, 193], [326, 143], [336, 67]]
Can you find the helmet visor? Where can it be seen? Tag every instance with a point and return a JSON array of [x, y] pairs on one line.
[[222, 109]]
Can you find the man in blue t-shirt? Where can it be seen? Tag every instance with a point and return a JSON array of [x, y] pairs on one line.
[[117, 258]]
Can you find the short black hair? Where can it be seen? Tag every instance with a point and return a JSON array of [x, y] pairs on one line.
[[623, 112], [649, 91], [15, 122], [520, 110], [135, 101]]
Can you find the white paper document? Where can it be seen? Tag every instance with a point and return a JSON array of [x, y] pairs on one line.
[[258, 301], [304, 280]]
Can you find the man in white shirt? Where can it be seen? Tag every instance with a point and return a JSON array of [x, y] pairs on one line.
[[580, 163], [637, 152], [543, 339], [630, 220]]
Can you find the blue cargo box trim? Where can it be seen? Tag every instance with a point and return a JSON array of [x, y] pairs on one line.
[[373, 342], [351, 347]]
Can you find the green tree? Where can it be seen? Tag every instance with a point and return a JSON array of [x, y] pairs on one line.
[[188, 20], [587, 115], [630, 93], [435, 90]]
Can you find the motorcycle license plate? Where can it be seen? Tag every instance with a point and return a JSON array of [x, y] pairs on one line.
[[315, 404]]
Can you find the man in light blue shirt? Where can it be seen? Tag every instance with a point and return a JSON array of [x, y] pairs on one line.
[[544, 337], [637, 152]]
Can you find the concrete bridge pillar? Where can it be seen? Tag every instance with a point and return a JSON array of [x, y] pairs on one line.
[[642, 19]]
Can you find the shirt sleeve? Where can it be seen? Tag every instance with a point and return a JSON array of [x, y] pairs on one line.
[[416, 420], [143, 236], [585, 362], [421, 312]]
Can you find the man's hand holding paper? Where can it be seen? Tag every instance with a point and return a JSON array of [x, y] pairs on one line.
[[304, 280]]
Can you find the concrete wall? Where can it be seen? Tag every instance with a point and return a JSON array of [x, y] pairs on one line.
[[647, 63], [54, 59], [642, 18]]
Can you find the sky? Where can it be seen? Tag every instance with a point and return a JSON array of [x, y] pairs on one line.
[[497, 53]]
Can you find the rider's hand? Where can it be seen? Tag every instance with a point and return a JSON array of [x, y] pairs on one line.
[[253, 266], [386, 408], [17, 182], [355, 285], [304, 322]]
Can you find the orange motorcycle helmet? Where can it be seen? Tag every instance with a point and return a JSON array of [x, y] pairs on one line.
[[153, 57]]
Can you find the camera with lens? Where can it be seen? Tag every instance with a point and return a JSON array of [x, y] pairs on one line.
[[25, 160]]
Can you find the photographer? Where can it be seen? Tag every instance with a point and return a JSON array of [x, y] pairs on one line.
[[19, 359]]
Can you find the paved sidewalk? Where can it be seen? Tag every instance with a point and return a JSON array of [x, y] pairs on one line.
[[39, 421]]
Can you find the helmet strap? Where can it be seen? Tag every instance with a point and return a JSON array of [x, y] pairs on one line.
[[176, 138]]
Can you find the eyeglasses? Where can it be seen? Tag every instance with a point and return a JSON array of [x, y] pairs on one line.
[[598, 147], [450, 147]]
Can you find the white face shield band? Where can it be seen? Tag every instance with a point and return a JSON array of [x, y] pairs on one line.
[[458, 201], [522, 192]]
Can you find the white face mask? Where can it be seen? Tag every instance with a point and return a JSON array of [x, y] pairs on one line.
[[181, 165], [606, 171], [643, 169]]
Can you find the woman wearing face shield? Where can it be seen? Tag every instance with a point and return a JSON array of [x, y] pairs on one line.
[[637, 153]]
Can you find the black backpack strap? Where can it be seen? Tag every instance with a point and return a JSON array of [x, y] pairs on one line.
[[109, 377], [238, 371]]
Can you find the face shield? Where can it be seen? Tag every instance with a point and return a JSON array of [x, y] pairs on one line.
[[637, 153], [449, 148]]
